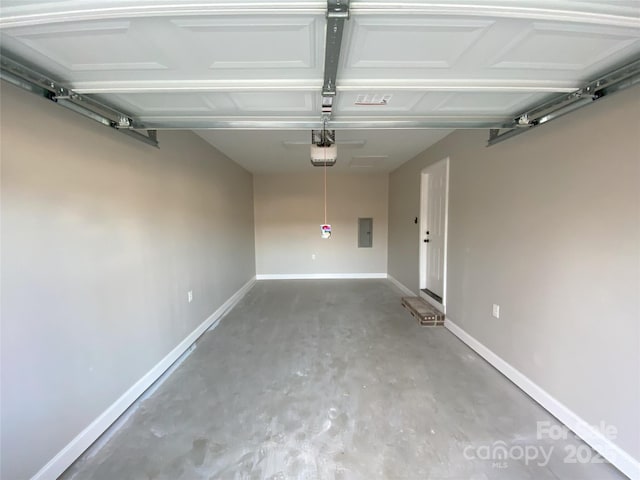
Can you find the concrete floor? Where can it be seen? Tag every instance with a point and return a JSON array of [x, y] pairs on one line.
[[332, 380]]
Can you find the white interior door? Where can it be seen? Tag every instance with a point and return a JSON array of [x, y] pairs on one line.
[[433, 232]]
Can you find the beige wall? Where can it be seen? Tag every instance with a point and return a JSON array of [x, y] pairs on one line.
[[288, 213], [102, 237], [547, 225]]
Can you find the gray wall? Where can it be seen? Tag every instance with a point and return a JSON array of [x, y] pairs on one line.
[[102, 237], [288, 213], [547, 225]]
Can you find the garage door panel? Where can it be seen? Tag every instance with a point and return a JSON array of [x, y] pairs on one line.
[[254, 43], [553, 46], [184, 48], [93, 46], [387, 44], [418, 104], [411, 47], [218, 103]]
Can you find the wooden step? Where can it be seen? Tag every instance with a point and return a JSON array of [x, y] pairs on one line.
[[423, 312]]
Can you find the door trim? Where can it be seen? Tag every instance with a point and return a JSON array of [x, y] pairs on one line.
[[424, 194]]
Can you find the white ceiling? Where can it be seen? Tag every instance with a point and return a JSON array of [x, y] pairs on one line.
[[359, 151], [196, 63]]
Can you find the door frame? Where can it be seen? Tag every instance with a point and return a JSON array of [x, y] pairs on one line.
[[424, 196]]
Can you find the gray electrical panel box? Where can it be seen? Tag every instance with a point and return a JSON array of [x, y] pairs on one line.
[[365, 232]]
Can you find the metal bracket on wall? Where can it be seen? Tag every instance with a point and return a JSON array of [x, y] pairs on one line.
[[41, 84], [612, 82], [337, 13]]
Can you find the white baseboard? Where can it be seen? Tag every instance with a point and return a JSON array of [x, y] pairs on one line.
[[622, 460], [402, 287], [317, 276], [84, 439]]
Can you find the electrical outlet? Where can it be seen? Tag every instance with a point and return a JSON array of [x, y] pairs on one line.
[[190, 296], [496, 311]]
